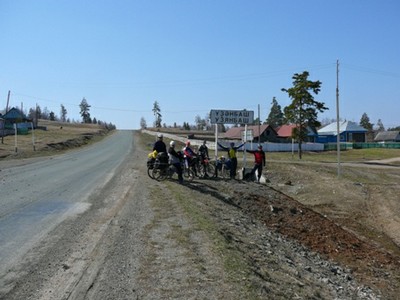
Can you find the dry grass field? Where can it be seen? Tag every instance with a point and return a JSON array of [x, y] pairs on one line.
[[56, 138]]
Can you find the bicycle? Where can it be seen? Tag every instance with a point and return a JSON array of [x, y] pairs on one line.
[[187, 171], [223, 167], [157, 169], [162, 171], [150, 167], [160, 174], [206, 168]]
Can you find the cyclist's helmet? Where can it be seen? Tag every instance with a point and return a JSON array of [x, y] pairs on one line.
[[172, 143], [159, 135], [259, 146], [232, 144], [187, 143]]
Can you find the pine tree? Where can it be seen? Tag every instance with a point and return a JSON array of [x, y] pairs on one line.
[[380, 126], [85, 108], [143, 124], [157, 114], [275, 117], [63, 113], [364, 122], [303, 110]]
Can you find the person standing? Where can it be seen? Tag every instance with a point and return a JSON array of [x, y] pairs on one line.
[[159, 145], [259, 161], [191, 158], [175, 160], [232, 156], [203, 152]]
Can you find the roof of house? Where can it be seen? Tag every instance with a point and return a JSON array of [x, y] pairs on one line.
[[236, 132], [388, 136], [13, 114], [345, 126], [285, 131]]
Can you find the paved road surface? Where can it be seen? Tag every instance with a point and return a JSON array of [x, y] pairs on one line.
[[36, 197]]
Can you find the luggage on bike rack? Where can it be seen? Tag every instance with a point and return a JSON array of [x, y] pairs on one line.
[[150, 163], [161, 161]]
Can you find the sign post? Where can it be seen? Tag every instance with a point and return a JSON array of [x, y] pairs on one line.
[[223, 116]]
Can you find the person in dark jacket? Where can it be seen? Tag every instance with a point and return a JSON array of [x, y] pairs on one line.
[[203, 152], [232, 156], [175, 160], [159, 145], [259, 161]]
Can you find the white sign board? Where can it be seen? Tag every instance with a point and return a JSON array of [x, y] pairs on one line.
[[248, 137], [221, 116]]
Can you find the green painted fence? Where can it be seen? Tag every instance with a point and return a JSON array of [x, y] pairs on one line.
[[376, 145], [347, 146]]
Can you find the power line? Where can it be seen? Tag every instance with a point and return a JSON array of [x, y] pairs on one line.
[[369, 70]]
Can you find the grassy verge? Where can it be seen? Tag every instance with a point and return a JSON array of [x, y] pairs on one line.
[[236, 270], [351, 155], [235, 265]]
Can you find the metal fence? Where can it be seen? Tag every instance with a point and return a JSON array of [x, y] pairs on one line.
[[376, 145], [284, 147], [333, 146]]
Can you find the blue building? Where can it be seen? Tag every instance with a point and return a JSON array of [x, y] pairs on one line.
[[349, 132]]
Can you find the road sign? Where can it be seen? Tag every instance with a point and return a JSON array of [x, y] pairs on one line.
[[221, 116], [247, 135]]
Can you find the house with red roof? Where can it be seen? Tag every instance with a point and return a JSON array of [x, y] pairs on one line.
[[265, 132], [285, 133]]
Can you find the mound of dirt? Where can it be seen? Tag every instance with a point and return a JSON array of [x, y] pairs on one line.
[[71, 143], [282, 214]]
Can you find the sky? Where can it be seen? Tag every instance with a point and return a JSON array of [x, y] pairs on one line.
[[194, 56]]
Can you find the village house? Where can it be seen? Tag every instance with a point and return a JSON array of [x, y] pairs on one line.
[[285, 134], [15, 116], [262, 133], [348, 131], [387, 136]]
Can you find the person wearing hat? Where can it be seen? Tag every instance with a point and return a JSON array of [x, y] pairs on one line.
[[191, 158], [175, 160], [159, 145], [259, 161]]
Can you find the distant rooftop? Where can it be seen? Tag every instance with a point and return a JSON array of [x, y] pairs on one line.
[[344, 126]]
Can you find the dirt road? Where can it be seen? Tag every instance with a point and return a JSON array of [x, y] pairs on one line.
[[210, 239]]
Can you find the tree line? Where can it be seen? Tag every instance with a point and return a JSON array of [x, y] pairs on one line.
[[303, 111], [36, 113]]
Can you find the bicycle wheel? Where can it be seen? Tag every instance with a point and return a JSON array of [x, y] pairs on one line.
[[225, 172], [150, 172], [210, 169], [159, 174], [188, 174], [202, 171], [207, 170]]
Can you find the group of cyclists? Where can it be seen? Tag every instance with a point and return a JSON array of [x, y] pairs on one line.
[[193, 160]]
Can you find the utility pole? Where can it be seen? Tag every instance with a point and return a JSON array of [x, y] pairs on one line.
[[259, 122], [337, 118], [4, 121], [8, 101]]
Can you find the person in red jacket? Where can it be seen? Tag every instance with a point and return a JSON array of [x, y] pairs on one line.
[[191, 158], [259, 161]]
